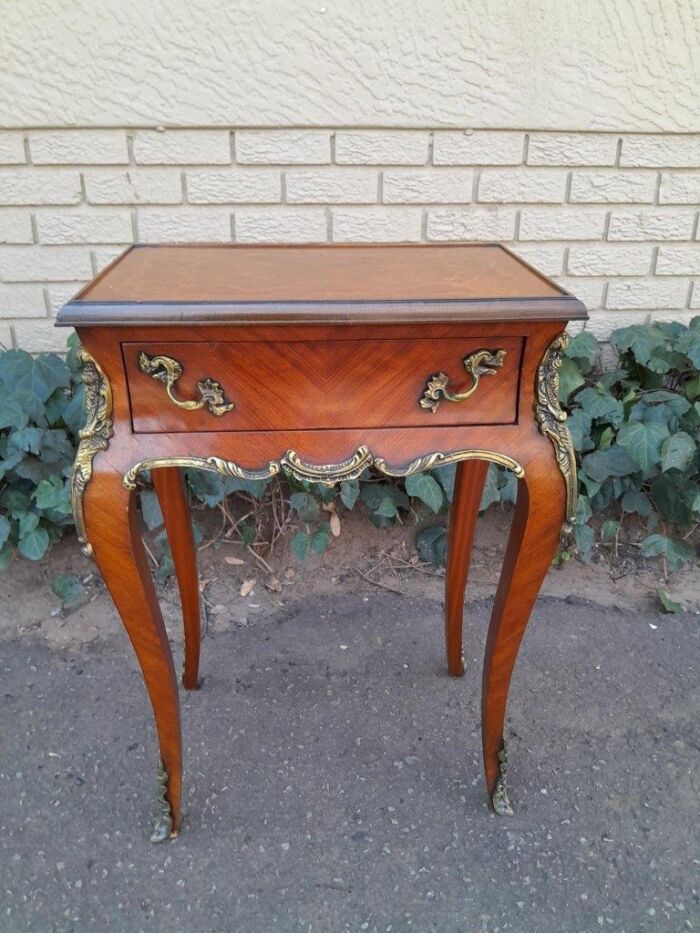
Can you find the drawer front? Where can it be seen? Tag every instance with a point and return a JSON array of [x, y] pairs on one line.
[[284, 385]]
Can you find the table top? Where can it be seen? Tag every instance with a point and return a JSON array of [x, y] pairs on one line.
[[213, 284]]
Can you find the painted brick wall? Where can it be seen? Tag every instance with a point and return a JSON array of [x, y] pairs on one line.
[[613, 217]]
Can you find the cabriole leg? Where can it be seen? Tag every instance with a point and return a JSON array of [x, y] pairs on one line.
[[169, 485], [534, 535], [113, 530], [464, 512]]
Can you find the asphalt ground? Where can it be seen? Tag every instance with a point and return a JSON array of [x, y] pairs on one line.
[[333, 779]]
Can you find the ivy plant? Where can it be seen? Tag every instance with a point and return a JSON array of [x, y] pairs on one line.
[[41, 400], [635, 426]]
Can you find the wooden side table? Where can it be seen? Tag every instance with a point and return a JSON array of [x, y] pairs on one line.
[[324, 360]]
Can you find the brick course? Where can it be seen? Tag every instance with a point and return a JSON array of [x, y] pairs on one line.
[[182, 147], [71, 147], [613, 216], [134, 186], [283, 147], [332, 186], [373, 147], [427, 186]]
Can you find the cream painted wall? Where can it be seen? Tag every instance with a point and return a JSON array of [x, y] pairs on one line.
[[616, 65], [567, 129]]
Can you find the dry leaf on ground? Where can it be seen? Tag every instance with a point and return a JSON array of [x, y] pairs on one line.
[[247, 587]]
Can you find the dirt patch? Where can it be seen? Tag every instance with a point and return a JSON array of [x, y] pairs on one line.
[[363, 559]]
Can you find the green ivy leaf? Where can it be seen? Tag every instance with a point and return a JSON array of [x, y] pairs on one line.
[[446, 476], [305, 504], [663, 361], [34, 544], [35, 469], [150, 509], [607, 436], [676, 553], [300, 544], [615, 461], [247, 533], [16, 501], [6, 552], [583, 348], [636, 501], [67, 587], [39, 375], [660, 395], [689, 343], [27, 438], [507, 485], [599, 403], [677, 452], [55, 446], [321, 538], [11, 460], [28, 521], [207, 487], [672, 329], [53, 494], [322, 492], [5, 528], [643, 442], [383, 499], [580, 426], [73, 414], [614, 377], [254, 487], [424, 487], [491, 492], [692, 388], [570, 379], [608, 530], [431, 543], [583, 539], [673, 496], [385, 508], [165, 568], [668, 604], [349, 491], [12, 414], [641, 339], [583, 510]]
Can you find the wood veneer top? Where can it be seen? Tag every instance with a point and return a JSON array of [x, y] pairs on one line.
[[155, 282]]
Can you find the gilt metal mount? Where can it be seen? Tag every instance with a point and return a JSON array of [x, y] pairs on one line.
[[163, 824], [478, 364], [551, 419], [94, 437], [169, 370], [327, 473], [499, 798]]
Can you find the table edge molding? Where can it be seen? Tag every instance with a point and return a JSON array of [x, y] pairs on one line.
[[80, 313]]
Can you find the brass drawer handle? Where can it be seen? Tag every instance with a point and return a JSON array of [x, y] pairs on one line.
[[481, 363], [169, 371]]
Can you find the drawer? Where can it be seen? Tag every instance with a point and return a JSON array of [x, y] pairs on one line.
[[284, 385]]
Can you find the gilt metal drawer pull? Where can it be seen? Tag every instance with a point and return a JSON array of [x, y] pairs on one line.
[[481, 363], [169, 371]]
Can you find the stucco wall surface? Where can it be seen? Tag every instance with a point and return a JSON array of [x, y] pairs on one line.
[[566, 129], [529, 64]]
